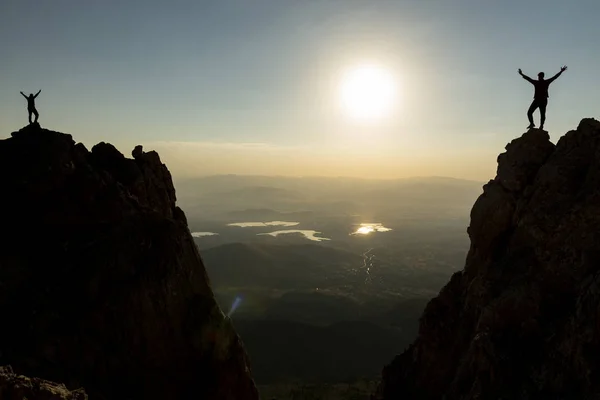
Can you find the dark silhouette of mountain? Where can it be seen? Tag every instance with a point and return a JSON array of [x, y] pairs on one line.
[[19, 387], [273, 265], [404, 315], [314, 307], [289, 351], [101, 284], [263, 192], [520, 321], [267, 214], [256, 196]]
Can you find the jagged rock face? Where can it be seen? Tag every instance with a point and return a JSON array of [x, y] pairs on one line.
[[522, 320], [19, 387], [101, 284]]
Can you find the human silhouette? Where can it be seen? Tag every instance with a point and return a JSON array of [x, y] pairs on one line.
[[31, 105], [540, 98]]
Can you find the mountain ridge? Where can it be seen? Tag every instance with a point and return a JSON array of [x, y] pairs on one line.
[[19, 387], [520, 320], [273, 264], [113, 296]]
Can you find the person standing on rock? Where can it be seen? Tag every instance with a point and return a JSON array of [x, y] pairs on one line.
[[31, 105], [540, 98]]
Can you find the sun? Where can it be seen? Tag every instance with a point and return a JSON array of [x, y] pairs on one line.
[[368, 92]]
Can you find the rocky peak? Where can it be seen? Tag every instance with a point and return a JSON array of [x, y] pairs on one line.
[[521, 320], [101, 284], [44, 163], [19, 387]]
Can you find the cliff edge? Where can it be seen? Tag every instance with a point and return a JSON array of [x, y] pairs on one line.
[[19, 387], [522, 320], [101, 284]]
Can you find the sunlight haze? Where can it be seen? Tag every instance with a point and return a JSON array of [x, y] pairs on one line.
[[368, 93], [272, 85], [300, 199]]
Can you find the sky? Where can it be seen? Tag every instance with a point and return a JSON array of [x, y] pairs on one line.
[[251, 86]]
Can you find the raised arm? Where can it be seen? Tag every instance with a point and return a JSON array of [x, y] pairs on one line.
[[36, 95], [563, 69], [23, 94], [528, 79]]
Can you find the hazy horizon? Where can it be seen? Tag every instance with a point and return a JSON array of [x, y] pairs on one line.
[[189, 161], [256, 87], [324, 177]]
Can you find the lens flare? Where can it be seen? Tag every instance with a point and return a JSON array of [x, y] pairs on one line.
[[234, 306]]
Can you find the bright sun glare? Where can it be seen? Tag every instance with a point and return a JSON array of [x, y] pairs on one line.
[[365, 230], [368, 92]]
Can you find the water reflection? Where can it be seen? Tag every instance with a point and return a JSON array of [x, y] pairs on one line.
[[308, 234], [257, 224], [367, 228], [203, 234]]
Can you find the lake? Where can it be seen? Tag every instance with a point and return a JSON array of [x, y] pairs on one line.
[[308, 234], [362, 229], [203, 234], [263, 224]]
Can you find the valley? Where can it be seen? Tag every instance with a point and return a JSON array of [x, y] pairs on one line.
[[316, 311]]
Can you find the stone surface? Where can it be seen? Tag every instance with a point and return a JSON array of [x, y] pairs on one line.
[[522, 320], [19, 387], [101, 284]]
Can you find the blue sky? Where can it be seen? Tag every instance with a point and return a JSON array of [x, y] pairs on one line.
[[200, 80]]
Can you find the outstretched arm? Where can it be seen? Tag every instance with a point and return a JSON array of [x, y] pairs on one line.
[[23, 94], [36, 95], [528, 79], [563, 69]]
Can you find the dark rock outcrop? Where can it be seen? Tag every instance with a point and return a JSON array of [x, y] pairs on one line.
[[522, 320], [101, 284], [19, 387]]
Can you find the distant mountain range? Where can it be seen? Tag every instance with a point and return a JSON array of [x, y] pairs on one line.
[[218, 196]]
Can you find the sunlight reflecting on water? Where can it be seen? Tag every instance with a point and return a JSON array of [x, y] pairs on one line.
[[310, 235], [258, 224], [367, 228]]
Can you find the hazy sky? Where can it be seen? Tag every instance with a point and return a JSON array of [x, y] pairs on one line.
[[248, 86]]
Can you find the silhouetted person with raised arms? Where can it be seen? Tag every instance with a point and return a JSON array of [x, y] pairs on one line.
[[540, 98], [31, 105]]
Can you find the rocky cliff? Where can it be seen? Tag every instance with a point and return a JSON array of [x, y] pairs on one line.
[[101, 284], [19, 387], [522, 320]]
